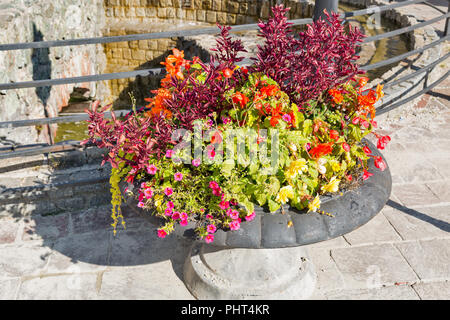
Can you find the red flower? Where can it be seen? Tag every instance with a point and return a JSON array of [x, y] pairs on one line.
[[334, 134], [346, 147], [367, 150], [379, 163], [216, 138], [383, 141], [367, 174], [321, 150], [270, 90], [355, 120], [240, 98], [244, 70], [228, 73], [349, 177], [365, 123]]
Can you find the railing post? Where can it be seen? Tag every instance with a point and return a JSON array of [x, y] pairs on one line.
[[447, 22], [320, 5]]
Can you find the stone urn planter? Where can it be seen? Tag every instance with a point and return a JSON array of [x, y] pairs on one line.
[[266, 259]]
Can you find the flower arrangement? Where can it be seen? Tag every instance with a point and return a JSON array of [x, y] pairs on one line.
[[193, 151]]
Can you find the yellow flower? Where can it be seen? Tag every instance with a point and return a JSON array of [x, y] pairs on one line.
[[296, 167], [284, 194], [332, 186], [335, 166], [158, 200], [314, 205]]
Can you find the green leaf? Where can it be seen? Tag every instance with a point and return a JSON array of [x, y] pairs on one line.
[[273, 206], [274, 185]]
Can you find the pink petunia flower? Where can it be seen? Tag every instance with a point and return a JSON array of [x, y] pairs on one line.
[[178, 176], [211, 228], [250, 217], [148, 193], [183, 216], [211, 153], [184, 222], [141, 196], [286, 117], [234, 214], [235, 225], [213, 185], [152, 169], [209, 238], [208, 216], [168, 212], [176, 215], [224, 205], [144, 185], [217, 192], [170, 205], [162, 233], [196, 162], [168, 191], [169, 153], [140, 204]]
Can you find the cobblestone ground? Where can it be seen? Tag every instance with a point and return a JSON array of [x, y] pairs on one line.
[[403, 253]]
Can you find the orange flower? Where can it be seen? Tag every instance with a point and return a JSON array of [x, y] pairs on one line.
[[240, 99], [321, 150], [270, 90], [337, 95], [363, 81], [227, 73], [380, 93]]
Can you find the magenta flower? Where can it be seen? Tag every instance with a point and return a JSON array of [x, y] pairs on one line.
[[196, 162], [217, 192], [213, 185], [286, 117], [183, 216], [211, 228], [178, 176], [226, 120], [168, 212], [233, 202], [184, 222], [168, 191], [208, 216], [169, 153], [224, 205], [211, 153], [170, 205], [234, 214], [162, 233], [148, 193], [141, 196], [152, 169], [209, 238], [144, 185], [141, 204], [176, 215], [235, 225], [250, 217]]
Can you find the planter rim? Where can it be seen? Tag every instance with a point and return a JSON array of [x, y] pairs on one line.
[[351, 210]]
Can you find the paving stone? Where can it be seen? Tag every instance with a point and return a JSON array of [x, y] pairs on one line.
[[386, 293], [87, 252], [8, 229], [92, 219], [23, 259], [139, 247], [429, 259], [328, 276], [415, 194], [441, 189], [65, 287], [371, 266], [377, 229], [420, 223], [433, 290], [8, 288], [338, 242], [418, 169], [153, 281], [441, 162], [45, 227]]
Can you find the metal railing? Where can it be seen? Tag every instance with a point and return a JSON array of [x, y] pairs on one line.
[[20, 151]]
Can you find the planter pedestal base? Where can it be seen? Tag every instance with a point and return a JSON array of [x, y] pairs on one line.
[[214, 273]]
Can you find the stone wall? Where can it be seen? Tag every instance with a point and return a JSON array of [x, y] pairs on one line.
[[27, 21]]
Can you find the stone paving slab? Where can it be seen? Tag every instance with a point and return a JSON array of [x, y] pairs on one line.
[[433, 290], [372, 266], [385, 293], [429, 259]]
